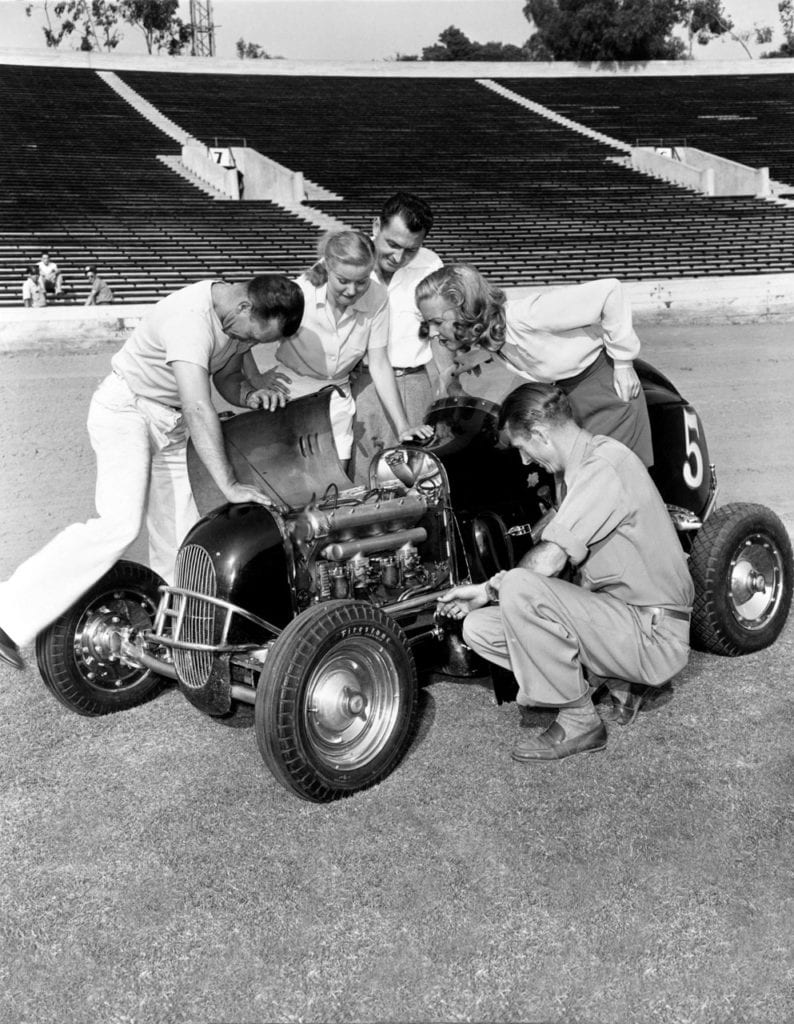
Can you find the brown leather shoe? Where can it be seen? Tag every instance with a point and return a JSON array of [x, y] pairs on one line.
[[552, 745], [9, 651]]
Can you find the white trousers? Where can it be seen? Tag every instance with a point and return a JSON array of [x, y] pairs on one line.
[[141, 468]]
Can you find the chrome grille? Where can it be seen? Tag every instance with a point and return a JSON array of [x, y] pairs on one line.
[[195, 571]]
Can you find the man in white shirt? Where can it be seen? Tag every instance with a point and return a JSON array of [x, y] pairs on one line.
[[50, 277], [140, 416], [402, 262]]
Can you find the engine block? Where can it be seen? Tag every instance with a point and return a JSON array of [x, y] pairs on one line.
[[381, 545]]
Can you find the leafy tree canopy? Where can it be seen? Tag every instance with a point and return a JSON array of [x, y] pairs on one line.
[[98, 23], [251, 51], [607, 30], [630, 30], [455, 45], [160, 23], [786, 10]]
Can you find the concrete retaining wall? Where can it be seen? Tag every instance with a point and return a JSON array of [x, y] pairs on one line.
[[706, 173], [673, 301], [394, 69]]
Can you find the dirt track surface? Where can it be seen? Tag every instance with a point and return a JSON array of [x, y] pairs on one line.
[[739, 378]]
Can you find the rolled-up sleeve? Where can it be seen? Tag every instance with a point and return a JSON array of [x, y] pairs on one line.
[[589, 512]]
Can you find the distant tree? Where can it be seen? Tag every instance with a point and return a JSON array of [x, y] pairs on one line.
[[252, 51], [98, 23], [160, 24], [95, 21], [455, 45], [786, 9], [606, 30], [706, 20]]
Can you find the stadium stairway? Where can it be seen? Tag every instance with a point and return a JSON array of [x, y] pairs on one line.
[[529, 200]]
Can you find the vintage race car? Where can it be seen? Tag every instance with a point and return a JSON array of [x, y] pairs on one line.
[[317, 613]]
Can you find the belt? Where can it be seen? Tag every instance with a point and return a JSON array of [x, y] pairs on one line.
[[115, 372], [403, 371], [673, 613]]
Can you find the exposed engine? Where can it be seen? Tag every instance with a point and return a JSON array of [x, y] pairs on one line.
[[383, 544]]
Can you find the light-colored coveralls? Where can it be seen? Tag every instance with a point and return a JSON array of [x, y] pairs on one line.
[[410, 356], [138, 434], [613, 525]]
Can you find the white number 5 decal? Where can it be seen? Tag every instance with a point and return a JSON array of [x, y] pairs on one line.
[[693, 467]]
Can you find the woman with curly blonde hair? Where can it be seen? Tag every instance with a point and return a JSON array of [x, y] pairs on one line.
[[579, 337]]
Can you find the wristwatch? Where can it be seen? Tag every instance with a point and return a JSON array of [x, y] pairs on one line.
[[246, 390]]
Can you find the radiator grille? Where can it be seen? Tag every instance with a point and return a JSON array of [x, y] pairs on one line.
[[195, 571]]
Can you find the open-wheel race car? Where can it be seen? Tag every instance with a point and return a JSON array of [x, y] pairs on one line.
[[318, 612]]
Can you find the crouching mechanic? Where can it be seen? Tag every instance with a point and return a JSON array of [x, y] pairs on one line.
[[626, 623], [138, 422]]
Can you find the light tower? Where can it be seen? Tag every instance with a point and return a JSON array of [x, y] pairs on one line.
[[203, 44]]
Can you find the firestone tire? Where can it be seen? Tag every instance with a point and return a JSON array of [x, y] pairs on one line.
[[336, 702], [741, 565], [74, 652]]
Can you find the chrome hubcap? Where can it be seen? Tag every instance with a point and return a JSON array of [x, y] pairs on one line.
[[755, 581], [351, 704]]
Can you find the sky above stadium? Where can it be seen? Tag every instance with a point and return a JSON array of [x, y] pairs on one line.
[[364, 30]]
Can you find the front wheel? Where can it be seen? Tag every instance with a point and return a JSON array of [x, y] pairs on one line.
[[77, 654], [741, 565], [336, 701]]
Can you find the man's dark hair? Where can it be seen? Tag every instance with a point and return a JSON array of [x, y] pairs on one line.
[[533, 404], [413, 210], [276, 296]]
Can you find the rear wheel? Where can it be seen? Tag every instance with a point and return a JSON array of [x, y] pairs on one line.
[[741, 564], [77, 654], [336, 701]]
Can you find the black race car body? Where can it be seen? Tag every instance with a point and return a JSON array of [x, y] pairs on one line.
[[316, 611]]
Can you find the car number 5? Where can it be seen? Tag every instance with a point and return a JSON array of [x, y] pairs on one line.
[[693, 466]]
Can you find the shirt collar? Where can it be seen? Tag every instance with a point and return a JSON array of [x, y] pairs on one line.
[[581, 447], [423, 259], [321, 300]]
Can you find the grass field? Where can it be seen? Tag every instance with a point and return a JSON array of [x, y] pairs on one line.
[[153, 871]]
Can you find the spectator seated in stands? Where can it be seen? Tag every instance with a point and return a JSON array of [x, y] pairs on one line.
[[50, 276], [32, 291], [100, 293]]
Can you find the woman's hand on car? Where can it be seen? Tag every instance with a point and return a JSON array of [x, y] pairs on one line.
[[422, 432]]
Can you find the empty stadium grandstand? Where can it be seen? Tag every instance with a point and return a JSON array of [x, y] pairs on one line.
[[528, 199]]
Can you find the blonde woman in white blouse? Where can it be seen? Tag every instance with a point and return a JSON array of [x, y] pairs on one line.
[[346, 316]]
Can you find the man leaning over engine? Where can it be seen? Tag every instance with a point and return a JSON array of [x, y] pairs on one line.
[[626, 623], [138, 422]]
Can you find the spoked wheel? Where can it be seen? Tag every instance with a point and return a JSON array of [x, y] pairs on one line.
[[336, 701], [741, 564], [77, 654]]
